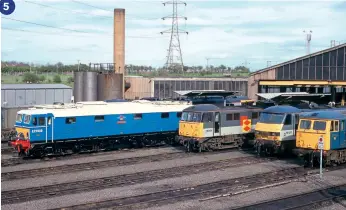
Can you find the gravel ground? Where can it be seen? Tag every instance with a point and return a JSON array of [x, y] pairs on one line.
[[293, 188], [113, 171], [148, 187], [94, 157], [7, 156]]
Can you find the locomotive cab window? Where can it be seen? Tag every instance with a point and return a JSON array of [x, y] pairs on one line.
[[27, 119], [334, 126], [70, 120], [319, 126], [342, 126], [236, 116], [19, 118], [197, 117], [165, 115], [305, 124], [184, 116], [179, 114], [288, 120], [41, 121], [99, 118], [189, 116], [49, 120], [254, 115], [34, 121], [138, 116], [207, 117]]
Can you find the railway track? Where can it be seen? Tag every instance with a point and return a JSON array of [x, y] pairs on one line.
[[88, 166], [195, 192], [8, 176], [22, 195], [19, 160], [310, 200]]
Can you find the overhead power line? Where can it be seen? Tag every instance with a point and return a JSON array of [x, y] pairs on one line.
[[47, 33], [38, 24], [66, 29], [67, 10], [89, 5], [78, 2]]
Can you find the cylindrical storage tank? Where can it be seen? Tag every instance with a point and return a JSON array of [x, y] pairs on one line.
[[90, 86], [78, 86], [110, 86], [100, 87]]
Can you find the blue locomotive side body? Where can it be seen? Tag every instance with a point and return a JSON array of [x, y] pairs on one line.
[[81, 127], [95, 126]]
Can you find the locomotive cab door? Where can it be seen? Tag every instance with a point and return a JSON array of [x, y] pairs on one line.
[[296, 122], [343, 133], [289, 126], [335, 134], [49, 128], [217, 126]]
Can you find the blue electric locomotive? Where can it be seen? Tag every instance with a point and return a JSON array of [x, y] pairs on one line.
[[94, 126]]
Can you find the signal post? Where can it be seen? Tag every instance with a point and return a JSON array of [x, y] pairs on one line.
[[320, 147]]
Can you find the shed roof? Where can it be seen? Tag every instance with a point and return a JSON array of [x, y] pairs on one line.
[[33, 86], [299, 58], [291, 95], [194, 93]]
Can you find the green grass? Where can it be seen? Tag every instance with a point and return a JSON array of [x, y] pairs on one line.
[[18, 79]]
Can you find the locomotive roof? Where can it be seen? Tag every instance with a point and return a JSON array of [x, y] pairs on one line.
[[330, 115], [281, 109], [202, 107], [212, 108], [108, 108]]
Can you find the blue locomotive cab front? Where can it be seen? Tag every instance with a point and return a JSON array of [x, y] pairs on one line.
[[31, 128]]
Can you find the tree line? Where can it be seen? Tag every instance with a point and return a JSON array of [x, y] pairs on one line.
[[21, 67]]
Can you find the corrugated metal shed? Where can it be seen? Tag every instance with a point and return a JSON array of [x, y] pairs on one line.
[[324, 65], [15, 95], [34, 86]]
